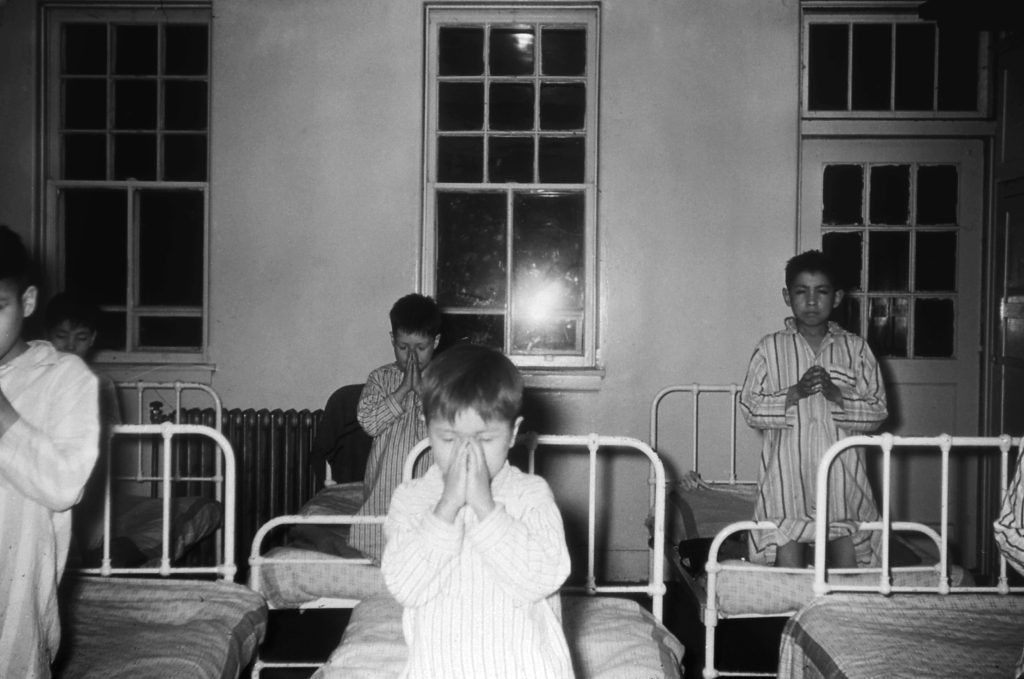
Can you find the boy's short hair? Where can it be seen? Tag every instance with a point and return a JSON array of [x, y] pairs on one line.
[[472, 376], [15, 263], [74, 308], [416, 314], [812, 261]]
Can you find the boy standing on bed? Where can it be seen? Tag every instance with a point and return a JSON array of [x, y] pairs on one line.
[[49, 435], [475, 550], [808, 386], [390, 410]]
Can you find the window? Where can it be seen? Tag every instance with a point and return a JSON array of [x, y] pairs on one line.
[[510, 179], [127, 95]]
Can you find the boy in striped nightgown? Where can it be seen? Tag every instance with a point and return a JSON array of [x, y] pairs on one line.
[[807, 386], [475, 550], [49, 435]]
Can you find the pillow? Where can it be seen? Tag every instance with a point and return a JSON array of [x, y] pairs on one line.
[[343, 499]]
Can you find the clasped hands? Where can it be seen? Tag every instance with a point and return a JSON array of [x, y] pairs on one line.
[[815, 381], [467, 481]]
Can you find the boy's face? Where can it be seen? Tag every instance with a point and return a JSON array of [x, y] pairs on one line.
[[494, 438], [73, 339], [14, 309], [812, 297], [416, 343]]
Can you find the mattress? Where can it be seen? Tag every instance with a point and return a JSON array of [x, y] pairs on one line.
[[290, 577], [608, 638], [702, 512], [127, 628], [342, 499], [850, 636]]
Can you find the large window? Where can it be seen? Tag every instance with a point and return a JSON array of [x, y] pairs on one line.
[[511, 179], [127, 101]]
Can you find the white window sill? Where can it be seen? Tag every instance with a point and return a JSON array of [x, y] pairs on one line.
[[568, 379]]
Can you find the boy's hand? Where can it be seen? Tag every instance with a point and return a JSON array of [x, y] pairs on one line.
[[417, 375], [410, 378], [478, 484], [816, 380], [453, 497]]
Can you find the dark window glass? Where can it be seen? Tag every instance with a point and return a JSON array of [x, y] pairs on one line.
[[471, 249], [178, 333], [170, 248], [844, 249], [889, 261], [85, 156], [512, 51], [847, 315], [96, 243], [842, 195], [111, 331], [872, 64], [185, 105], [933, 328], [888, 326], [85, 104], [826, 70], [935, 262], [460, 159], [485, 329], [958, 70], [135, 50], [460, 51], [460, 106], [85, 49], [564, 51], [510, 159], [563, 106], [915, 67], [937, 192], [889, 199], [545, 335], [135, 156], [185, 157], [511, 106], [562, 160], [135, 104], [187, 49]]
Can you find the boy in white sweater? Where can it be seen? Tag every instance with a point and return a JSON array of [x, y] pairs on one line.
[[475, 549]]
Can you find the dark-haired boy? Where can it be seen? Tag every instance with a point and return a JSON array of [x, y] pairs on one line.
[[49, 435]]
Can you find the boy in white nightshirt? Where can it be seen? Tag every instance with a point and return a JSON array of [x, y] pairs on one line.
[[475, 550], [49, 435]]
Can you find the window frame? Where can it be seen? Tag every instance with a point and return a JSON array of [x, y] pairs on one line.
[[585, 13], [54, 250]]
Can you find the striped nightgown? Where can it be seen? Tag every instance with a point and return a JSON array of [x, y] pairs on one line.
[[795, 439], [395, 428]]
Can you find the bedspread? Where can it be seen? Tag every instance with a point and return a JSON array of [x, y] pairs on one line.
[[119, 628], [851, 636]]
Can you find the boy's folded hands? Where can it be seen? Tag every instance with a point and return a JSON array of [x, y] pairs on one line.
[[466, 482]]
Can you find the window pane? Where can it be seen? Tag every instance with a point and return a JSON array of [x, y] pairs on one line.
[[85, 104], [460, 106], [511, 106], [844, 249], [85, 49], [510, 159], [563, 106], [185, 157], [847, 314], [111, 333], [887, 334], [85, 156], [564, 51], [547, 336], [915, 67], [937, 192], [872, 64], [185, 105], [96, 243], [460, 51], [179, 333], [187, 49], [843, 195], [171, 248], [135, 104], [562, 160], [958, 70], [485, 329], [460, 159], [889, 200], [889, 261], [826, 70], [471, 249], [933, 328], [935, 262], [135, 50], [135, 156], [512, 51]]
